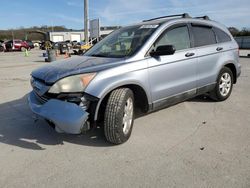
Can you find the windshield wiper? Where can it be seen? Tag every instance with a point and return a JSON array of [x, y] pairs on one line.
[[99, 55]]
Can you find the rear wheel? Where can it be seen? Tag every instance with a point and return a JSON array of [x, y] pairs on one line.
[[224, 85], [119, 116], [23, 49]]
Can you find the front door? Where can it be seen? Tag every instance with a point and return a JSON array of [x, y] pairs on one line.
[[173, 77]]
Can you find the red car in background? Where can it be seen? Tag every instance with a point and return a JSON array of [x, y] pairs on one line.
[[16, 45]]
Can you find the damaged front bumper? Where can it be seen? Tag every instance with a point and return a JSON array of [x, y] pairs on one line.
[[67, 117]]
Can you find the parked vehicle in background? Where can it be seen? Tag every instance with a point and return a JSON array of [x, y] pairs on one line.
[[147, 66], [74, 44], [68, 42], [42, 45], [16, 45], [64, 47], [36, 43], [30, 44], [2, 46]]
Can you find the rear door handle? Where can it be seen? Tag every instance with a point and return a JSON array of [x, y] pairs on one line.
[[189, 54], [219, 49]]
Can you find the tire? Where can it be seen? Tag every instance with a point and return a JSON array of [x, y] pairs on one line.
[[119, 116], [223, 86], [23, 49]]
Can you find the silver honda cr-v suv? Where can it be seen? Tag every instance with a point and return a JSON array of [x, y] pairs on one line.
[[146, 66]]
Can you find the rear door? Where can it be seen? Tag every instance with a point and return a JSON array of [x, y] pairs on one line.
[[174, 75], [208, 53]]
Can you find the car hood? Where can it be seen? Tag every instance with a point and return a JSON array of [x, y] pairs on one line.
[[72, 66]]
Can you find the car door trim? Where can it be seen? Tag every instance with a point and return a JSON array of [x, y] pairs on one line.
[[180, 97]]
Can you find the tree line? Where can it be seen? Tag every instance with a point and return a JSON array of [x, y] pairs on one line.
[[21, 33], [237, 33]]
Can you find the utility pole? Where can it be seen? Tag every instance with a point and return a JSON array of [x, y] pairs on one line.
[[52, 25], [13, 40], [86, 28]]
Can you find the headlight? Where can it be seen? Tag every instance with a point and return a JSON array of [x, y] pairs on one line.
[[70, 84]]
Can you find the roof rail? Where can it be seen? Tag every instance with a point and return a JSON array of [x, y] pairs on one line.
[[185, 15], [203, 17]]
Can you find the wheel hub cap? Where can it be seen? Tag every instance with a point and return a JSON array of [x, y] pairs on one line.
[[128, 115], [225, 84]]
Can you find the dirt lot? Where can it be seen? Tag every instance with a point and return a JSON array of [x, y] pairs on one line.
[[198, 143]]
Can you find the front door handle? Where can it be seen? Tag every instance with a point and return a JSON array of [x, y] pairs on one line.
[[189, 54], [219, 49]]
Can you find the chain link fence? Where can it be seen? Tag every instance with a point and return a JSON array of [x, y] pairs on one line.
[[243, 42]]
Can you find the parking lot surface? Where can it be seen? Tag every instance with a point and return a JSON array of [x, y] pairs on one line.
[[198, 143]]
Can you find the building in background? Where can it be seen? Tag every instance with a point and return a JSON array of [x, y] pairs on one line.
[[78, 35]]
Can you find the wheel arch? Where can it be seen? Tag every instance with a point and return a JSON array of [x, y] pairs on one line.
[[140, 96], [232, 67]]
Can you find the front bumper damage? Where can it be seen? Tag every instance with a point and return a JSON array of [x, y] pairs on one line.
[[67, 117]]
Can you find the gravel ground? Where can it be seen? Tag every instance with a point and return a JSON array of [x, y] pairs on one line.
[[198, 143]]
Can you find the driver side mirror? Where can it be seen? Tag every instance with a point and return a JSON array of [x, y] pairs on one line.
[[163, 50]]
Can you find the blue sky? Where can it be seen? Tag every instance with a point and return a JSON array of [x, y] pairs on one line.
[[17, 13]]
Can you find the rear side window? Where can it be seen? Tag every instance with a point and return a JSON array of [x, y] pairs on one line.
[[221, 35], [203, 36], [179, 37]]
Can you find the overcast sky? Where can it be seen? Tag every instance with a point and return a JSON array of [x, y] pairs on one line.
[[17, 13]]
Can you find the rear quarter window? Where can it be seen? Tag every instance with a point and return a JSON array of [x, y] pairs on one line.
[[221, 35], [203, 36]]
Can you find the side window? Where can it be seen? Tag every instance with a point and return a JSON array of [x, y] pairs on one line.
[[179, 37], [203, 36], [221, 35]]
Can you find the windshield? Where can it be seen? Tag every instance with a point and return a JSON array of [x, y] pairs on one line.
[[122, 43]]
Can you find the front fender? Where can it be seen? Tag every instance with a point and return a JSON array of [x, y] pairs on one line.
[[102, 85]]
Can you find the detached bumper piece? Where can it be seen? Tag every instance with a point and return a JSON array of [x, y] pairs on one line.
[[67, 117]]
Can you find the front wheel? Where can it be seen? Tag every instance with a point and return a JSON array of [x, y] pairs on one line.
[[119, 116], [1, 49], [224, 85]]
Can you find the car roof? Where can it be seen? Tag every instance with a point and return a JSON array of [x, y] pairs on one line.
[[166, 20], [182, 17]]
